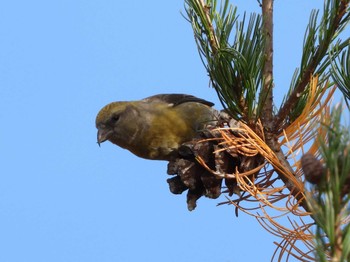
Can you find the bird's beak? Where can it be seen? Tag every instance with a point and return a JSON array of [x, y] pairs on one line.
[[102, 135]]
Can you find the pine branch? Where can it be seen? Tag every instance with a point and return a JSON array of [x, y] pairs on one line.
[[329, 198], [240, 68], [214, 43], [267, 94], [334, 19], [341, 73], [266, 91]]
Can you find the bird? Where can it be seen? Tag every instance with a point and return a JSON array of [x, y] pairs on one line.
[[155, 127]]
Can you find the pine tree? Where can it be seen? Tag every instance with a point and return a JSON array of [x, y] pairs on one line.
[[294, 160]]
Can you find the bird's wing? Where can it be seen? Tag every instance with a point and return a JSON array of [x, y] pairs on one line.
[[177, 99]]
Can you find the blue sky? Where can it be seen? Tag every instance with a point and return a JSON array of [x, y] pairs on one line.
[[62, 198]]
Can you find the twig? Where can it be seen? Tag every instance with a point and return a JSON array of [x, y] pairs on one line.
[[214, 43], [310, 69], [267, 113], [266, 91]]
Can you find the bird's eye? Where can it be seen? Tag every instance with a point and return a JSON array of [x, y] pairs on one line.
[[115, 118]]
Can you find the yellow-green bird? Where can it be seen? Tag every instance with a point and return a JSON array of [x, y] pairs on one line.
[[154, 127]]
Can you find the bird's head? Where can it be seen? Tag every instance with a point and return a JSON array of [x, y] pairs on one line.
[[113, 122]]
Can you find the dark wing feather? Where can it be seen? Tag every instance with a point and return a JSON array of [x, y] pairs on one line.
[[177, 99]]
